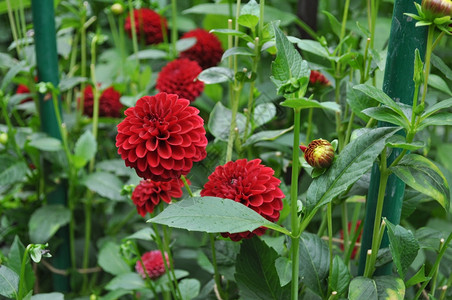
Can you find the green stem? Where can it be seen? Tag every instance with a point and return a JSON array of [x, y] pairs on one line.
[[234, 109], [13, 28], [82, 62], [428, 55], [309, 129], [435, 274], [173, 28], [337, 95], [295, 223], [217, 275], [87, 210], [11, 130], [134, 32], [345, 230], [330, 237], [187, 186], [352, 243], [22, 272], [170, 269], [148, 278], [306, 28], [435, 266], [96, 96]]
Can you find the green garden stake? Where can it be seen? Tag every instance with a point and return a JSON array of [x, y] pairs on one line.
[[399, 85], [47, 67]]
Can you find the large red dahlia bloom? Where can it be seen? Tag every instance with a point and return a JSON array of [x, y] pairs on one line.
[[207, 51], [149, 25], [161, 137], [251, 184], [147, 195], [153, 263], [179, 77], [109, 105]]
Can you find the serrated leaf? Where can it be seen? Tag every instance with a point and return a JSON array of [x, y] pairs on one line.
[[340, 276], [45, 143], [256, 274], [390, 288], [128, 281], [403, 246], [105, 184], [216, 75], [189, 288], [211, 214], [237, 51], [362, 288], [439, 119], [220, 122], [110, 259], [424, 176], [386, 114], [267, 135], [398, 141], [46, 221], [310, 103], [314, 262], [381, 97], [264, 113], [86, 146], [9, 282], [353, 162]]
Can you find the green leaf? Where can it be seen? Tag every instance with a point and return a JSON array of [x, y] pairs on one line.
[[340, 276], [283, 267], [110, 259], [12, 170], [266, 135], [439, 84], [442, 118], [48, 296], [313, 47], [211, 214], [309, 103], [148, 54], [386, 114], [9, 282], [220, 122], [390, 288], [216, 75], [264, 113], [362, 288], [249, 21], [7, 61], [128, 281], [381, 97], [353, 162], [189, 288], [14, 262], [251, 8], [424, 176], [256, 274], [398, 141], [236, 33], [185, 43], [288, 63], [334, 23], [436, 107], [16, 69], [440, 65], [115, 294], [403, 245], [105, 184], [46, 221], [418, 277], [85, 147], [237, 51], [70, 82], [359, 102], [145, 234], [314, 262], [45, 143]]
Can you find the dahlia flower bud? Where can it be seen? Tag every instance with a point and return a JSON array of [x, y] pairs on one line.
[[437, 8], [3, 138], [153, 264], [117, 8], [319, 153]]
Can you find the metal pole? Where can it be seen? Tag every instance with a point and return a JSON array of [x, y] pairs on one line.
[[47, 67], [399, 85]]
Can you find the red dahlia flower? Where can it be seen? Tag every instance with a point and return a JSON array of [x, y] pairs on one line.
[[317, 78], [153, 263], [179, 77], [161, 137], [109, 105], [207, 51], [23, 89], [249, 183], [147, 195], [149, 25], [355, 249]]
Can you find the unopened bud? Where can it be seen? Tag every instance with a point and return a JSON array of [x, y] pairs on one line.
[[117, 8], [437, 8], [3, 138], [319, 153]]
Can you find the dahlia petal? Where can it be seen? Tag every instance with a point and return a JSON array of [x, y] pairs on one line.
[[132, 156], [141, 150], [164, 150], [141, 164], [152, 159], [152, 143], [256, 200], [167, 163]]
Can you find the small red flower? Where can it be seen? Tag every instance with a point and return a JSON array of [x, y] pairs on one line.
[[147, 195], [355, 249], [149, 25], [319, 153], [161, 137], [318, 79], [179, 77], [207, 51], [109, 105], [249, 183], [23, 89], [153, 263]]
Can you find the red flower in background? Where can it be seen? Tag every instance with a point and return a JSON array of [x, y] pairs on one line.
[[147, 195], [179, 77], [153, 263], [161, 137], [23, 89], [109, 105], [249, 183], [149, 25], [355, 249], [317, 78], [207, 51]]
